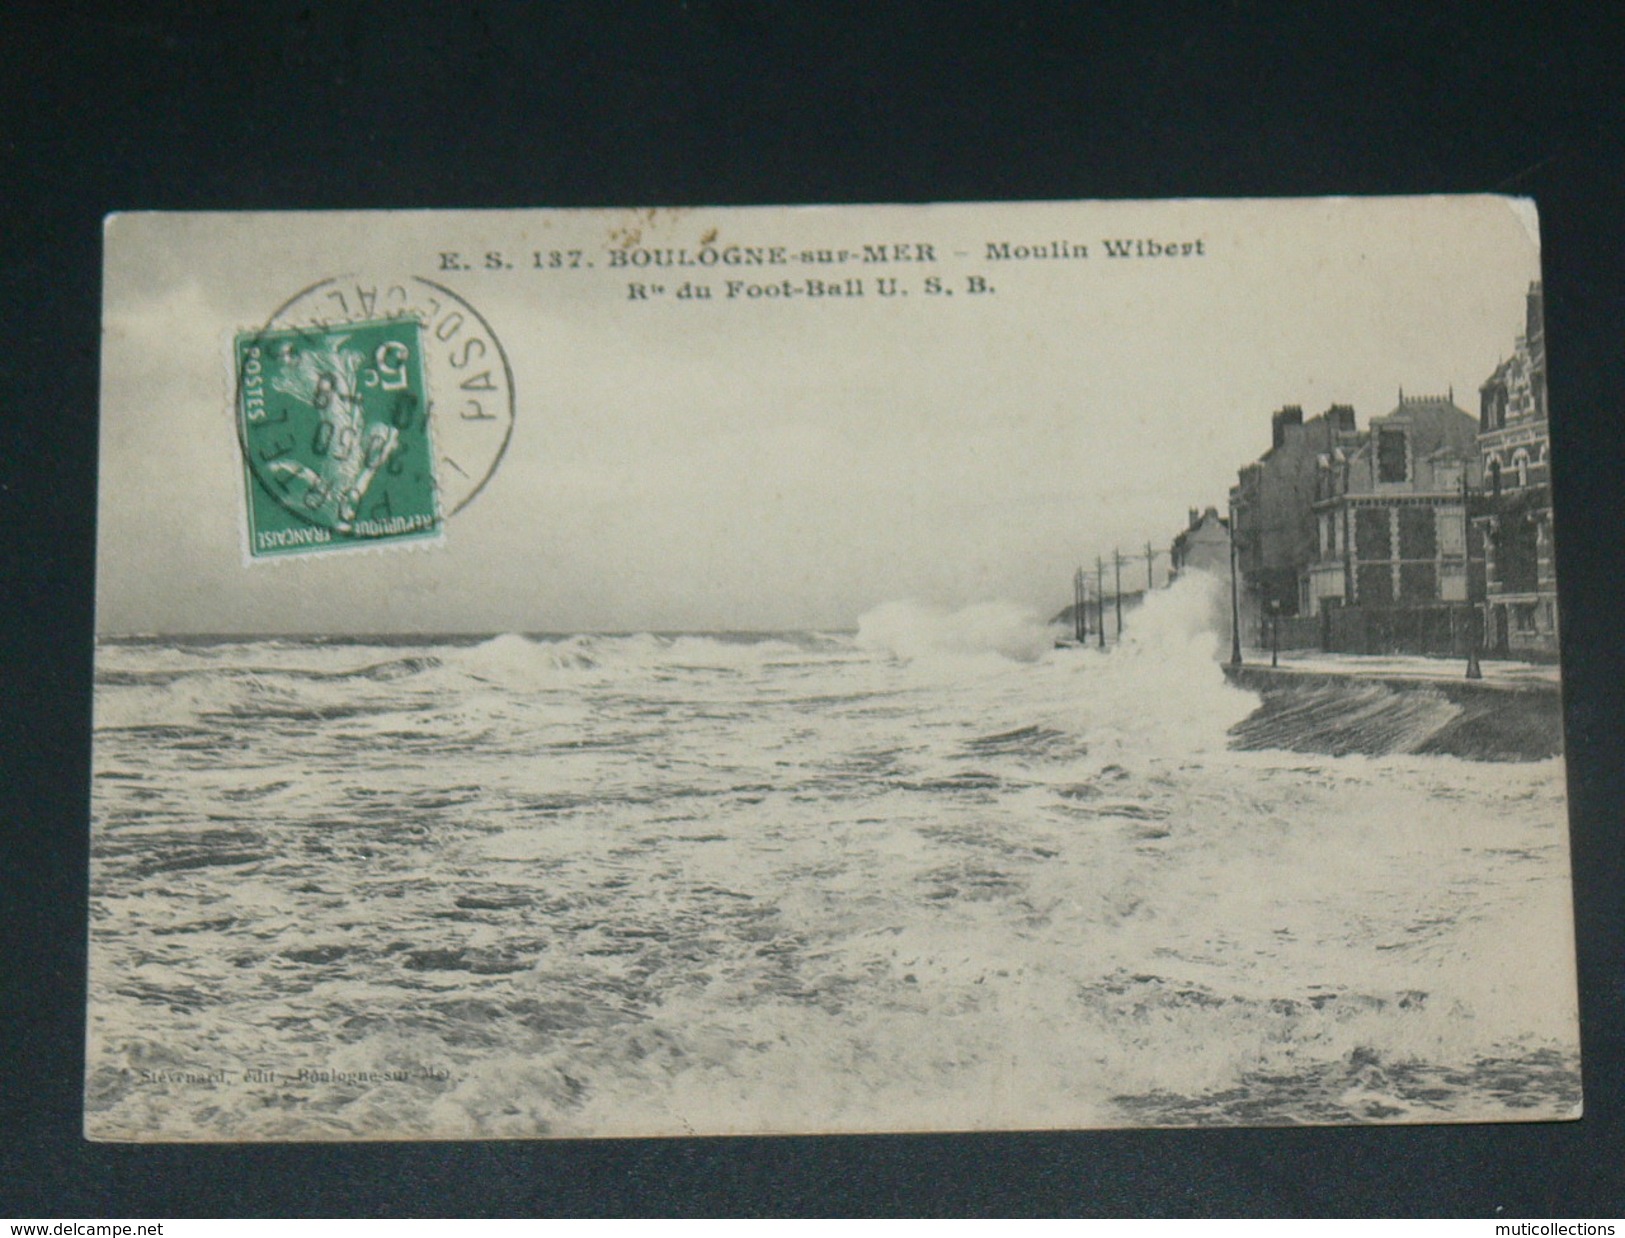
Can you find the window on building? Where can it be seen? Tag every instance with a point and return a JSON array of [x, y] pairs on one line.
[[1373, 538], [1417, 536], [1520, 462], [1516, 556], [1391, 456]]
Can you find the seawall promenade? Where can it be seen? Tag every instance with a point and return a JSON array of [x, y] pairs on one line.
[[1334, 704]]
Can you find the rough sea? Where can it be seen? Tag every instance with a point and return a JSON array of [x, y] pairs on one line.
[[936, 874]]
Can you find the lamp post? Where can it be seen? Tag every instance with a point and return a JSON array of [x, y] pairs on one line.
[[1235, 600], [1474, 671], [1275, 633]]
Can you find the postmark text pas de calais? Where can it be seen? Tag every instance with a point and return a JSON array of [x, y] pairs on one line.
[[334, 427]]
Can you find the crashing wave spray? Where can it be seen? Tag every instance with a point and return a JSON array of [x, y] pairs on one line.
[[1160, 688], [912, 631]]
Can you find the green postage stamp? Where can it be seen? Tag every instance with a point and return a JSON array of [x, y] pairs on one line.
[[334, 426]]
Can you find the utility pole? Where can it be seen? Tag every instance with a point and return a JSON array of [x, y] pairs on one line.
[[1100, 595], [1117, 562], [1150, 581], [1235, 600], [1077, 606]]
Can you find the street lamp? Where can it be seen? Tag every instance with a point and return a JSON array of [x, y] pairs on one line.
[[1474, 671]]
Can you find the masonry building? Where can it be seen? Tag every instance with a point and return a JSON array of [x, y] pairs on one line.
[[1202, 546], [1271, 511], [1514, 510], [1394, 565]]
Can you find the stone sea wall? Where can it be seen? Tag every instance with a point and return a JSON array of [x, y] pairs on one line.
[[1340, 714]]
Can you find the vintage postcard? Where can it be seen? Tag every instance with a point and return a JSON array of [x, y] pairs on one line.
[[896, 668]]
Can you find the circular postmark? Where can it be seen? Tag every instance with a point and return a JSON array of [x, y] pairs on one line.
[[369, 408]]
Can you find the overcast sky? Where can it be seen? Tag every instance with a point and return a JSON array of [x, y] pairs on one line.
[[762, 464]]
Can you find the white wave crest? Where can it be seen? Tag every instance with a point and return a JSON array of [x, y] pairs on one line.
[[916, 632], [517, 661]]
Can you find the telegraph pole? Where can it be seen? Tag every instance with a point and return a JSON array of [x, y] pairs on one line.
[[1117, 562], [1077, 606], [1100, 595], [1150, 582]]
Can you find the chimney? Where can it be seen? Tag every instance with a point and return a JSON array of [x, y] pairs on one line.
[[1290, 415], [1191, 521], [1534, 313], [1341, 418]]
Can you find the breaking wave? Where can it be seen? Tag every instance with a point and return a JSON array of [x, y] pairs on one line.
[[912, 631]]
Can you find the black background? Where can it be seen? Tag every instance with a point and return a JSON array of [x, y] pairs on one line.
[[573, 104]]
